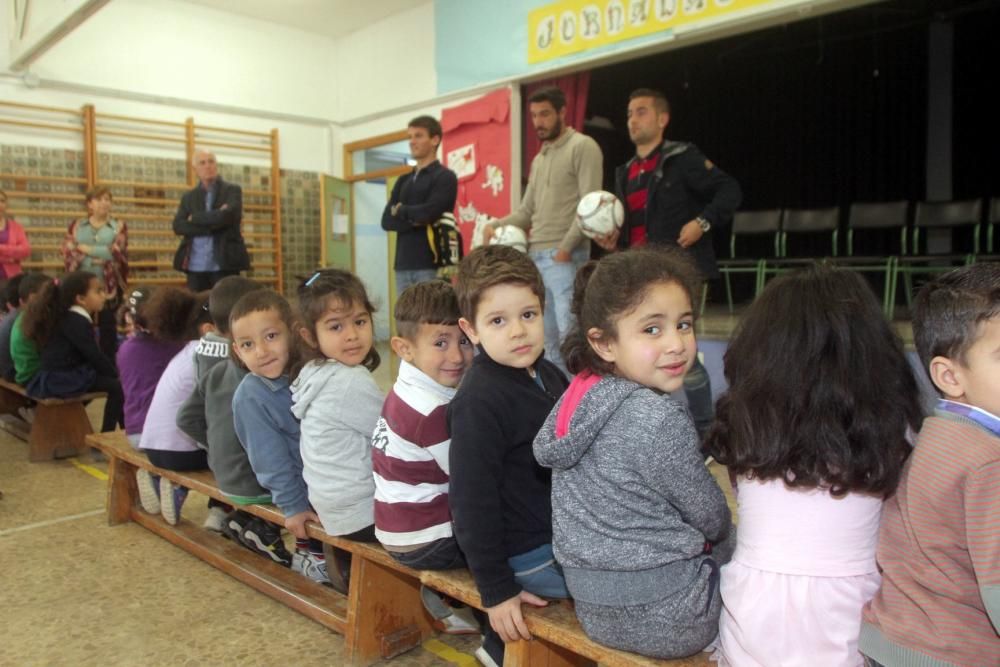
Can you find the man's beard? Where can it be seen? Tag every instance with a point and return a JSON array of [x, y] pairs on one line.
[[553, 133]]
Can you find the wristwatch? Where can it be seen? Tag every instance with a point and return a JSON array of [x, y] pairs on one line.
[[704, 224]]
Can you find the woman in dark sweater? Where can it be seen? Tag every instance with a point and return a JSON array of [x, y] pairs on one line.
[[60, 322]]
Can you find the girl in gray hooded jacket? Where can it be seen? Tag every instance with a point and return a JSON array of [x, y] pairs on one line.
[[640, 526]]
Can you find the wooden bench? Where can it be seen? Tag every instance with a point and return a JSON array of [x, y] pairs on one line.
[[60, 426], [382, 616]]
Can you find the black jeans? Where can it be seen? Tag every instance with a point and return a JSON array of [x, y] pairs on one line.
[[442, 554], [199, 281], [114, 408], [107, 329]]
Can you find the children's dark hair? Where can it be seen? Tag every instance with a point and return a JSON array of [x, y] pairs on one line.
[[267, 299], [175, 314], [820, 391], [30, 284], [12, 291], [949, 311], [224, 296], [489, 266], [315, 293], [429, 123], [136, 301], [430, 302], [551, 94], [606, 290], [43, 314]]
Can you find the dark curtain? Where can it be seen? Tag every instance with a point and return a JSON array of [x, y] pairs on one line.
[[976, 129], [576, 88], [815, 113]]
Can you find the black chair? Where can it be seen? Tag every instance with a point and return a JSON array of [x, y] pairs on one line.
[[865, 221], [989, 253], [961, 216], [750, 224], [804, 223]]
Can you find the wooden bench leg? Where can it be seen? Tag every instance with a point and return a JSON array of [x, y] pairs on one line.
[[123, 493], [385, 615], [540, 653], [58, 431], [10, 402]]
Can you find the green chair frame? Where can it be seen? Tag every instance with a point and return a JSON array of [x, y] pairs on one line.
[[882, 215], [749, 223], [939, 215]]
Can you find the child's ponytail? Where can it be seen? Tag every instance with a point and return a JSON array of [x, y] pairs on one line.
[[576, 350], [42, 315]]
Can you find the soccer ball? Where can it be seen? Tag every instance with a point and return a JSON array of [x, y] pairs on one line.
[[599, 213], [510, 235]]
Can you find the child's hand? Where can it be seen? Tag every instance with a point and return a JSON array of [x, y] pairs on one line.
[[296, 524], [506, 617]]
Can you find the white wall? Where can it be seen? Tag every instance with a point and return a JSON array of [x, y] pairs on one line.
[[169, 60], [388, 65]]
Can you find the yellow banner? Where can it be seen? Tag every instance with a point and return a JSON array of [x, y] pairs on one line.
[[572, 26]]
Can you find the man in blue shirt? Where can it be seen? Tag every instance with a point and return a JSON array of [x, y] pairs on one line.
[[208, 219]]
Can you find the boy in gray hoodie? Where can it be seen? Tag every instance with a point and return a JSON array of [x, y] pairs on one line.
[[207, 417]]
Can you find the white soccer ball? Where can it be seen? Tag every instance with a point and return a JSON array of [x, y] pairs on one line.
[[599, 213], [510, 235]]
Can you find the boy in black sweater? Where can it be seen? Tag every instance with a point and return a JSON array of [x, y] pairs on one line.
[[499, 495]]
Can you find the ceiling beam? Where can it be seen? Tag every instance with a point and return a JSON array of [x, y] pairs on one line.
[[42, 25]]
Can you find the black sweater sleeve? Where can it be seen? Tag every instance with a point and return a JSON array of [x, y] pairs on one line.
[[80, 334], [476, 460], [443, 191]]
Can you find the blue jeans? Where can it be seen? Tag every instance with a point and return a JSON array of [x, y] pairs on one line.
[[558, 278], [698, 388], [411, 277], [538, 572]]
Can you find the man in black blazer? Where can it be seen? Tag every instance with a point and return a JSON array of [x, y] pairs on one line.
[[208, 219]]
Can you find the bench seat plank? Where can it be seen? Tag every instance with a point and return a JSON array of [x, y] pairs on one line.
[[383, 610]]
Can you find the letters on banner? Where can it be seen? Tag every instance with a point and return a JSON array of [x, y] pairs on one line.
[[572, 26]]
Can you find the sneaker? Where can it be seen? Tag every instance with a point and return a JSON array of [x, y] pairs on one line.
[[458, 622], [308, 565], [490, 654], [27, 414], [265, 539], [215, 520], [484, 658], [171, 499], [149, 491], [233, 525]]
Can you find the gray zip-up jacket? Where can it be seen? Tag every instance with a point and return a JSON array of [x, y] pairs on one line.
[[207, 417], [633, 503]]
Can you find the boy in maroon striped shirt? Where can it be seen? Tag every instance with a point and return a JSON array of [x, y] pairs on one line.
[[410, 444], [939, 545]]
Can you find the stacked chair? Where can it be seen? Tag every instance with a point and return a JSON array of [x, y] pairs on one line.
[[903, 249]]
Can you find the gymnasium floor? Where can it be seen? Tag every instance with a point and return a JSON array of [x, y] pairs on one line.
[[78, 592]]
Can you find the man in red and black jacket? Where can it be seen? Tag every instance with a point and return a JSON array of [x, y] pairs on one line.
[[673, 195]]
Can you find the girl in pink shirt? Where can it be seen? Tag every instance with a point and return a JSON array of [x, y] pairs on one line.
[[814, 430]]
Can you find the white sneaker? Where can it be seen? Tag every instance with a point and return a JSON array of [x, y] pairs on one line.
[[215, 519], [459, 622], [27, 414], [309, 566], [149, 494], [484, 658]]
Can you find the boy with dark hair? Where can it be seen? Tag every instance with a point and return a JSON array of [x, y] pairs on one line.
[[417, 200], [207, 417], [499, 495], [410, 445], [939, 542]]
